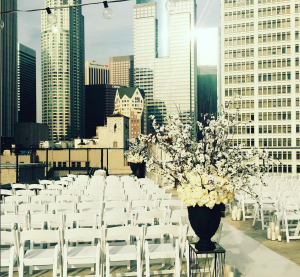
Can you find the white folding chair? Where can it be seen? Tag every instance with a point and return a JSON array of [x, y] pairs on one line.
[[55, 187], [6, 192], [8, 255], [156, 190], [38, 221], [97, 181], [164, 249], [171, 205], [11, 222], [78, 220], [54, 221], [77, 256], [130, 251], [40, 259], [71, 192], [91, 198], [114, 197], [62, 184], [292, 225]]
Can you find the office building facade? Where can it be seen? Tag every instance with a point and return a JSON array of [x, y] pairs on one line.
[[100, 103], [165, 58], [260, 66], [96, 73], [63, 71], [130, 102], [122, 71], [26, 84], [8, 70]]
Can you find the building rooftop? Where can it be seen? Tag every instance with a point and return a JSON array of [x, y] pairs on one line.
[[129, 92]]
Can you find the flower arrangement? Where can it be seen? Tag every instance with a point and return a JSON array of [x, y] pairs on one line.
[[137, 152], [210, 170]]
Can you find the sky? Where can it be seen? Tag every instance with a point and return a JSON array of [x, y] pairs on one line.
[[107, 38]]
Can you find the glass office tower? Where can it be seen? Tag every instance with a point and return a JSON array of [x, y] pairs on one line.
[[165, 58], [63, 71]]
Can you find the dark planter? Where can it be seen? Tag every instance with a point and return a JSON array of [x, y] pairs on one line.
[[134, 167], [205, 223], [141, 170]]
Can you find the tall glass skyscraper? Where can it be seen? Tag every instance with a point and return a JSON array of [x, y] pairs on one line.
[[63, 71], [8, 69], [165, 58]]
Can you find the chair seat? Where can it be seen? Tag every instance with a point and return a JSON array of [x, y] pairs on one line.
[[122, 253], [165, 250], [80, 252], [5, 256], [39, 257]]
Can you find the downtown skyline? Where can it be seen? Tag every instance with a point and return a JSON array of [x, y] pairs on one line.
[[111, 34]]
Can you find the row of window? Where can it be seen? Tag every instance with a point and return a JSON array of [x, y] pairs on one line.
[[245, 91], [277, 142], [243, 117], [237, 79], [276, 76], [275, 129], [242, 104], [277, 10], [270, 116], [275, 24], [279, 89], [274, 103], [233, 15], [273, 37]]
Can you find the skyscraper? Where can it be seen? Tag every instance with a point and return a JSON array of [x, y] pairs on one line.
[[260, 65], [122, 70], [63, 71], [8, 69], [26, 84], [96, 73], [165, 58]]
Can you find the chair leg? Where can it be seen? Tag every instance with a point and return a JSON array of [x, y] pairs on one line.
[[97, 268], [138, 267], [147, 266], [30, 270], [107, 267], [65, 268]]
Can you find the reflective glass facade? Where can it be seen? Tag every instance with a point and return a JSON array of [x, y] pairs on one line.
[[63, 71], [167, 74]]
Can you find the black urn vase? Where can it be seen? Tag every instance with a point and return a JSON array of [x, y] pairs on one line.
[[205, 223], [141, 170], [134, 167]]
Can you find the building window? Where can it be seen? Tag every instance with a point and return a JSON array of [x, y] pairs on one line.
[[115, 144]]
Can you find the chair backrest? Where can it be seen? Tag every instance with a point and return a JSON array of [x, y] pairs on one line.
[[9, 238], [155, 190], [71, 192], [161, 196], [172, 204], [25, 192], [77, 186], [72, 176], [49, 192], [84, 206], [54, 220], [179, 214], [132, 186], [40, 236], [115, 197], [32, 208], [149, 217], [19, 186], [38, 220], [55, 187], [139, 196], [127, 179], [8, 209], [134, 191], [114, 187], [91, 198], [61, 183], [97, 181], [93, 191], [288, 187], [123, 233], [145, 181], [147, 204], [16, 199], [6, 192], [66, 198], [158, 231], [36, 186], [82, 235], [99, 187], [67, 179], [86, 219], [62, 207], [116, 204], [112, 178], [9, 222], [116, 218], [292, 204], [46, 182], [149, 186]]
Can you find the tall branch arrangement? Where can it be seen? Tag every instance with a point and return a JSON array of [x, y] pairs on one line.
[[208, 171], [138, 151]]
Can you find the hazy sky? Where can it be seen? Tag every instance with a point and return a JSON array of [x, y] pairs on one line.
[[106, 38]]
